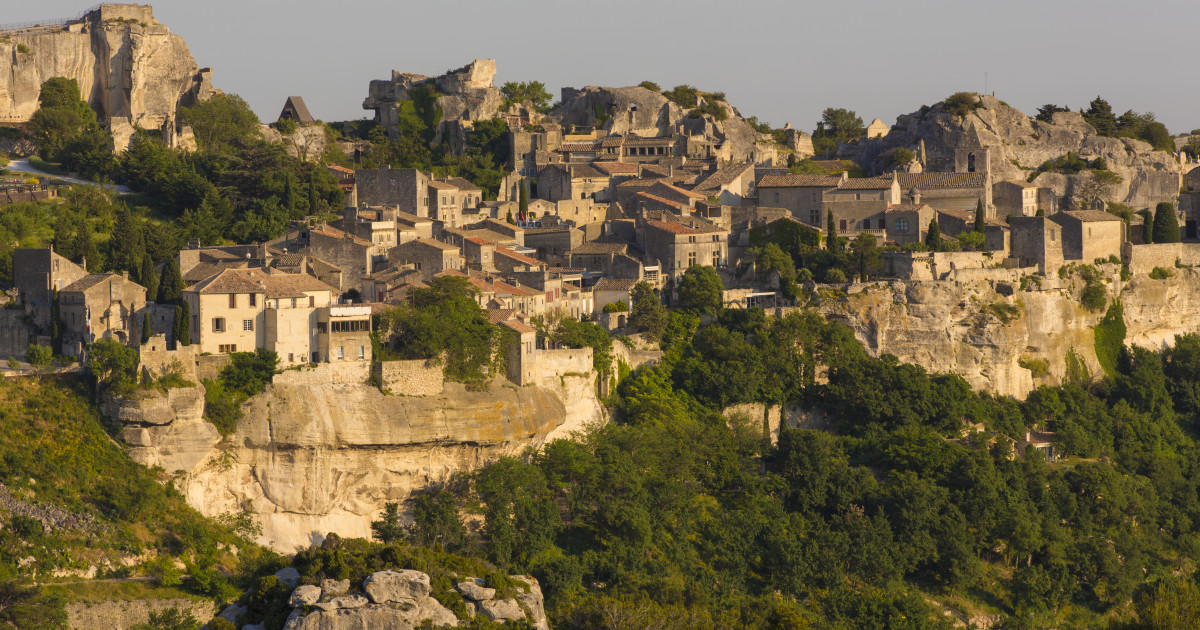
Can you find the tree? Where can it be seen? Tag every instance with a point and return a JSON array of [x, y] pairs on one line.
[[836, 126], [221, 121], [111, 363], [26, 606], [533, 91], [701, 290], [1147, 226], [979, 219], [1046, 112], [436, 521], [831, 237], [388, 529], [523, 203], [62, 117], [169, 619], [933, 239], [648, 315], [181, 330], [148, 277], [650, 85], [1094, 187], [1166, 223], [962, 103], [39, 356], [1100, 116], [146, 326], [125, 244], [85, 246], [170, 287], [444, 325]]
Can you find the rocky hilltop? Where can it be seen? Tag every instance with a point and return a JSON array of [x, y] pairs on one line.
[[983, 329], [310, 457], [1018, 144], [127, 64], [464, 95]]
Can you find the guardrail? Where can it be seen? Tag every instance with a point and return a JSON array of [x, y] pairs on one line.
[[19, 26]]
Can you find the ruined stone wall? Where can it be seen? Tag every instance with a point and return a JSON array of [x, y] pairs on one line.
[[125, 614], [156, 360], [410, 378], [1144, 258], [555, 363], [333, 373]]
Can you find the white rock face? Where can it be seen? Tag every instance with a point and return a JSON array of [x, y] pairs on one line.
[[385, 587], [472, 590], [334, 588], [304, 595], [347, 602], [288, 576], [501, 610]]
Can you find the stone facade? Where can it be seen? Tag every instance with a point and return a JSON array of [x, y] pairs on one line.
[[405, 188], [428, 256], [409, 378], [100, 306]]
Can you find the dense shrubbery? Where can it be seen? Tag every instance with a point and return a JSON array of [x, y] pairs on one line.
[[247, 374]]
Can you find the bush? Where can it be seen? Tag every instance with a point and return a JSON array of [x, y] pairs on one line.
[[962, 103], [39, 356], [1161, 273], [616, 307], [833, 275], [28, 528], [1037, 367]]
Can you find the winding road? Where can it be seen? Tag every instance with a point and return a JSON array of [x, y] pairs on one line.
[[22, 165]]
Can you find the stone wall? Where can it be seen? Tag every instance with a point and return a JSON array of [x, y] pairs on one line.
[[1144, 258], [156, 360], [210, 366], [118, 614], [556, 363], [334, 373], [409, 378]]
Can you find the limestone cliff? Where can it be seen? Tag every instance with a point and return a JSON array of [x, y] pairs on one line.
[[310, 459], [982, 328], [127, 64], [1018, 144], [464, 95]]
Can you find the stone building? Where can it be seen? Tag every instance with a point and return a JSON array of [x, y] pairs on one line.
[[355, 257], [574, 181], [1015, 197], [296, 111], [858, 205], [507, 260], [428, 256], [878, 129], [948, 191], [732, 184], [908, 222], [405, 188], [100, 306], [1088, 235], [1036, 242], [37, 275], [676, 246], [802, 195], [239, 310], [610, 291], [343, 333], [553, 244]]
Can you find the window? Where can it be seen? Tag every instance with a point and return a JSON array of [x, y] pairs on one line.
[[232, 300], [866, 224], [227, 348], [717, 258], [218, 324], [842, 225], [901, 225], [293, 302], [248, 324], [341, 354], [691, 258], [312, 301], [291, 358], [776, 197], [362, 352], [322, 327]]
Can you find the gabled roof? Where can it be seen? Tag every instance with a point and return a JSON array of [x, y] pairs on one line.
[[866, 183], [442, 185], [336, 233], [961, 215], [462, 184], [723, 177], [905, 207], [615, 284], [429, 242], [518, 326], [617, 168], [680, 191], [521, 258], [803, 180], [1088, 216], [296, 104], [667, 202], [585, 170], [932, 181], [679, 228], [596, 247], [254, 280], [497, 315], [88, 281], [205, 270]]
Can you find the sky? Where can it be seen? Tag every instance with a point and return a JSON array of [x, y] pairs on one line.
[[780, 60]]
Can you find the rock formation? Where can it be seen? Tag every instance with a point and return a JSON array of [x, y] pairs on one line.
[[127, 64], [1017, 144], [948, 326], [464, 95]]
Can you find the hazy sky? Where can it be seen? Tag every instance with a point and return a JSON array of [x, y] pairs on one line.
[[783, 61]]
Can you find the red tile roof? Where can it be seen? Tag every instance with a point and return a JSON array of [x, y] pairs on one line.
[[521, 258]]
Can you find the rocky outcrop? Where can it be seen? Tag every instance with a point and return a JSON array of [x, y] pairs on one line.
[[307, 142], [120, 614], [127, 64], [165, 429], [1018, 144], [464, 95], [955, 327]]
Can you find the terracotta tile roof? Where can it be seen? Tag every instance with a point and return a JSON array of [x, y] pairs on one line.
[[723, 176], [904, 207], [411, 218], [805, 180], [521, 258], [615, 284], [672, 227], [866, 183], [932, 181], [995, 223], [462, 184], [961, 215], [1091, 215], [680, 191], [654, 171], [617, 168], [477, 240], [594, 248], [577, 147], [585, 170], [440, 185], [545, 230], [88, 281], [1019, 182], [497, 315], [256, 281], [648, 142], [609, 142], [518, 326], [643, 182], [209, 269], [668, 202], [340, 169], [428, 242]]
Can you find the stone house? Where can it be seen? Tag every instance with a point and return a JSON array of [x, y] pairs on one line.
[[1015, 197], [479, 254], [596, 256], [353, 256], [239, 310], [496, 294], [345, 180], [525, 145], [553, 244], [1090, 234], [637, 149], [428, 256], [731, 184], [100, 306], [522, 367], [948, 191], [802, 195], [377, 286], [405, 188], [878, 129], [344, 333], [37, 275], [1036, 242], [375, 225], [573, 181], [676, 246], [646, 201], [611, 290], [674, 193], [858, 205], [908, 222], [507, 260]]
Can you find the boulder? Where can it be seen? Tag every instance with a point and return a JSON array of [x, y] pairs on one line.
[[397, 586], [472, 589], [304, 595], [532, 601], [501, 610], [375, 616], [333, 588], [343, 602], [288, 576]]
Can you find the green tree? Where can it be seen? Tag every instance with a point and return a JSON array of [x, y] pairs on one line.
[[1100, 116], [933, 238], [125, 244], [836, 126], [85, 246], [831, 237], [39, 356], [701, 290], [220, 122], [962, 103], [650, 85], [1166, 224], [979, 218], [436, 521], [26, 606], [445, 325], [533, 91], [647, 315], [1147, 226], [146, 326], [388, 529], [1173, 604], [181, 330], [170, 286], [523, 203], [1046, 112], [169, 619], [149, 277], [111, 363], [61, 119]]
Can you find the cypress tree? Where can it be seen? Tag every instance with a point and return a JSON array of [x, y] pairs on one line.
[[146, 326], [979, 216], [148, 277], [85, 247], [64, 237], [1166, 224], [182, 331], [312, 193], [934, 237], [289, 196], [523, 199], [1147, 227], [123, 246], [170, 285], [830, 233]]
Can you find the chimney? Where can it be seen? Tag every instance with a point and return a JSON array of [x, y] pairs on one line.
[[916, 196]]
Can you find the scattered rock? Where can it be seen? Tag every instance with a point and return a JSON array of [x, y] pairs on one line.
[[304, 595], [288, 576], [232, 613], [254, 626], [397, 586], [472, 589], [502, 610], [345, 601]]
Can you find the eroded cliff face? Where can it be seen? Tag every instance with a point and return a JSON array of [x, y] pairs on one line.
[[312, 459], [126, 68], [981, 329]]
